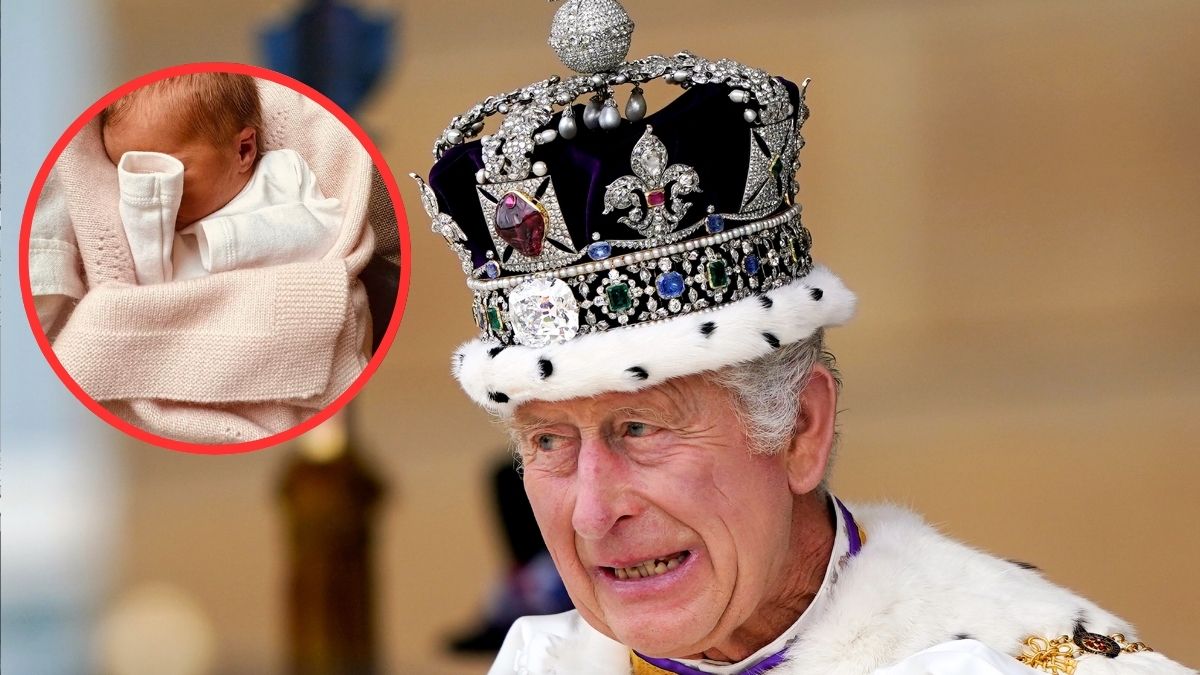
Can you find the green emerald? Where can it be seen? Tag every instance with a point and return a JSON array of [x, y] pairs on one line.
[[776, 167], [619, 298], [494, 320], [717, 276]]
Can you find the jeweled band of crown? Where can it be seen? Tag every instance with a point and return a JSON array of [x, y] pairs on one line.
[[643, 286]]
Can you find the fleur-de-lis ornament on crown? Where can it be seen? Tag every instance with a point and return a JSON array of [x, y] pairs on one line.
[[652, 194]]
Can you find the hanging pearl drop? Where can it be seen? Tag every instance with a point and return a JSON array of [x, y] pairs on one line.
[[750, 115], [591, 113], [610, 118], [566, 123], [635, 108]]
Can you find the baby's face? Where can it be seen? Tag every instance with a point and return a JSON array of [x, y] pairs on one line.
[[212, 175]]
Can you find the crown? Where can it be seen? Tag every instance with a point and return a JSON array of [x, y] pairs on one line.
[[572, 218]]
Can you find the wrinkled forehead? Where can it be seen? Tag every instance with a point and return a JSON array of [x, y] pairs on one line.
[[675, 401]]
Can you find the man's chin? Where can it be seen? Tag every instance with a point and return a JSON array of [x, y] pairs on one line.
[[673, 637]]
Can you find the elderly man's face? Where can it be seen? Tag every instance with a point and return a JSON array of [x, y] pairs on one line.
[[668, 532]]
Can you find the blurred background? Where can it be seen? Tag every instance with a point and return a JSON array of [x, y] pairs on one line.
[[1012, 188]]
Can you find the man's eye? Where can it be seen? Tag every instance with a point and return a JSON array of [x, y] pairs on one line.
[[638, 429], [546, 442]]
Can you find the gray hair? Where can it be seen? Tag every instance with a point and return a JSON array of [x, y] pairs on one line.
[[767, 390]]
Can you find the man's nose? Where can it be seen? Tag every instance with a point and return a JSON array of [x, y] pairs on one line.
[[603, 496]]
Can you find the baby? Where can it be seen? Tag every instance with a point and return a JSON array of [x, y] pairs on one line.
[[198, 193]]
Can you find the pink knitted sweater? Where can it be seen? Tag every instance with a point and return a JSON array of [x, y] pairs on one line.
[[234, 356]]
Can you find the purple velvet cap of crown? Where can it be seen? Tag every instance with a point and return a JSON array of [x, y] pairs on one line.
[[701, 128]]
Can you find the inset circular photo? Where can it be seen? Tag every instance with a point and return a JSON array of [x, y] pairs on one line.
[[214, 258]]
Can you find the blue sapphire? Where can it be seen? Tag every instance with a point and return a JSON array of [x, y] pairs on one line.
[[751, 264], [669, 285], [492, 269], [599, 250], [715, 222]]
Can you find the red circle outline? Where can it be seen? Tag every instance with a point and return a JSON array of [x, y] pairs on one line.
[[69, 135]]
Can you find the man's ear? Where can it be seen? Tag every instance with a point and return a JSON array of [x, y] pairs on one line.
[[809, 451], [247, 149]]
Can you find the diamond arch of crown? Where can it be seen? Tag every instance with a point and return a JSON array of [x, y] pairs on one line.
[[507, 153]]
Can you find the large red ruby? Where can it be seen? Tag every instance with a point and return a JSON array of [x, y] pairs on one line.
[[656, 198], [521, 223]]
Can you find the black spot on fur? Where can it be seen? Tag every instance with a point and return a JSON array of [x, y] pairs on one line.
[[765, 301], [707, 328], [498, 396], [1024, 565], [771, 340], [638, 372], [496, 350], [461, 357], [545, 368], [963, 636], [816, 293]]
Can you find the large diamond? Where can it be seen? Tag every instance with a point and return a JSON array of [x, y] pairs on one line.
[[542, 311], [649, 158], [521, 222]]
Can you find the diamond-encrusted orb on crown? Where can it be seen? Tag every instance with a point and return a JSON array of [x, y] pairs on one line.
[[591, 36], [543, 311]]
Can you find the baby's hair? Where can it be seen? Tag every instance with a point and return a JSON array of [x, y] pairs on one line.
[[213, 106]]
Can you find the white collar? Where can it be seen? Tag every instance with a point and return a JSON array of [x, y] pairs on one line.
[[820, 602]]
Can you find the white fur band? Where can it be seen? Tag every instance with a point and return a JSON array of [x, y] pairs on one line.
[[627, 359]]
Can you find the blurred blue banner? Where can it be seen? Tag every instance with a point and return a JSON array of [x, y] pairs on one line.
[[332, 47]]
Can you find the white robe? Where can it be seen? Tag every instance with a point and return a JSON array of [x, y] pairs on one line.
[[912, 602]]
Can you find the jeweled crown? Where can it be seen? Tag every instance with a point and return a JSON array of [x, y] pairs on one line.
[[573, 218]]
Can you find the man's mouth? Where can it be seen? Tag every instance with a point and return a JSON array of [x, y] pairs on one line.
[[649, 568]]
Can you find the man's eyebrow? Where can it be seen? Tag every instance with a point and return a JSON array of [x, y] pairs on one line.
[[522, 424], [655, 415]]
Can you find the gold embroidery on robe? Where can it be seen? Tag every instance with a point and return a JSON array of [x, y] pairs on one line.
[[1060, 655], [641, 667]]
